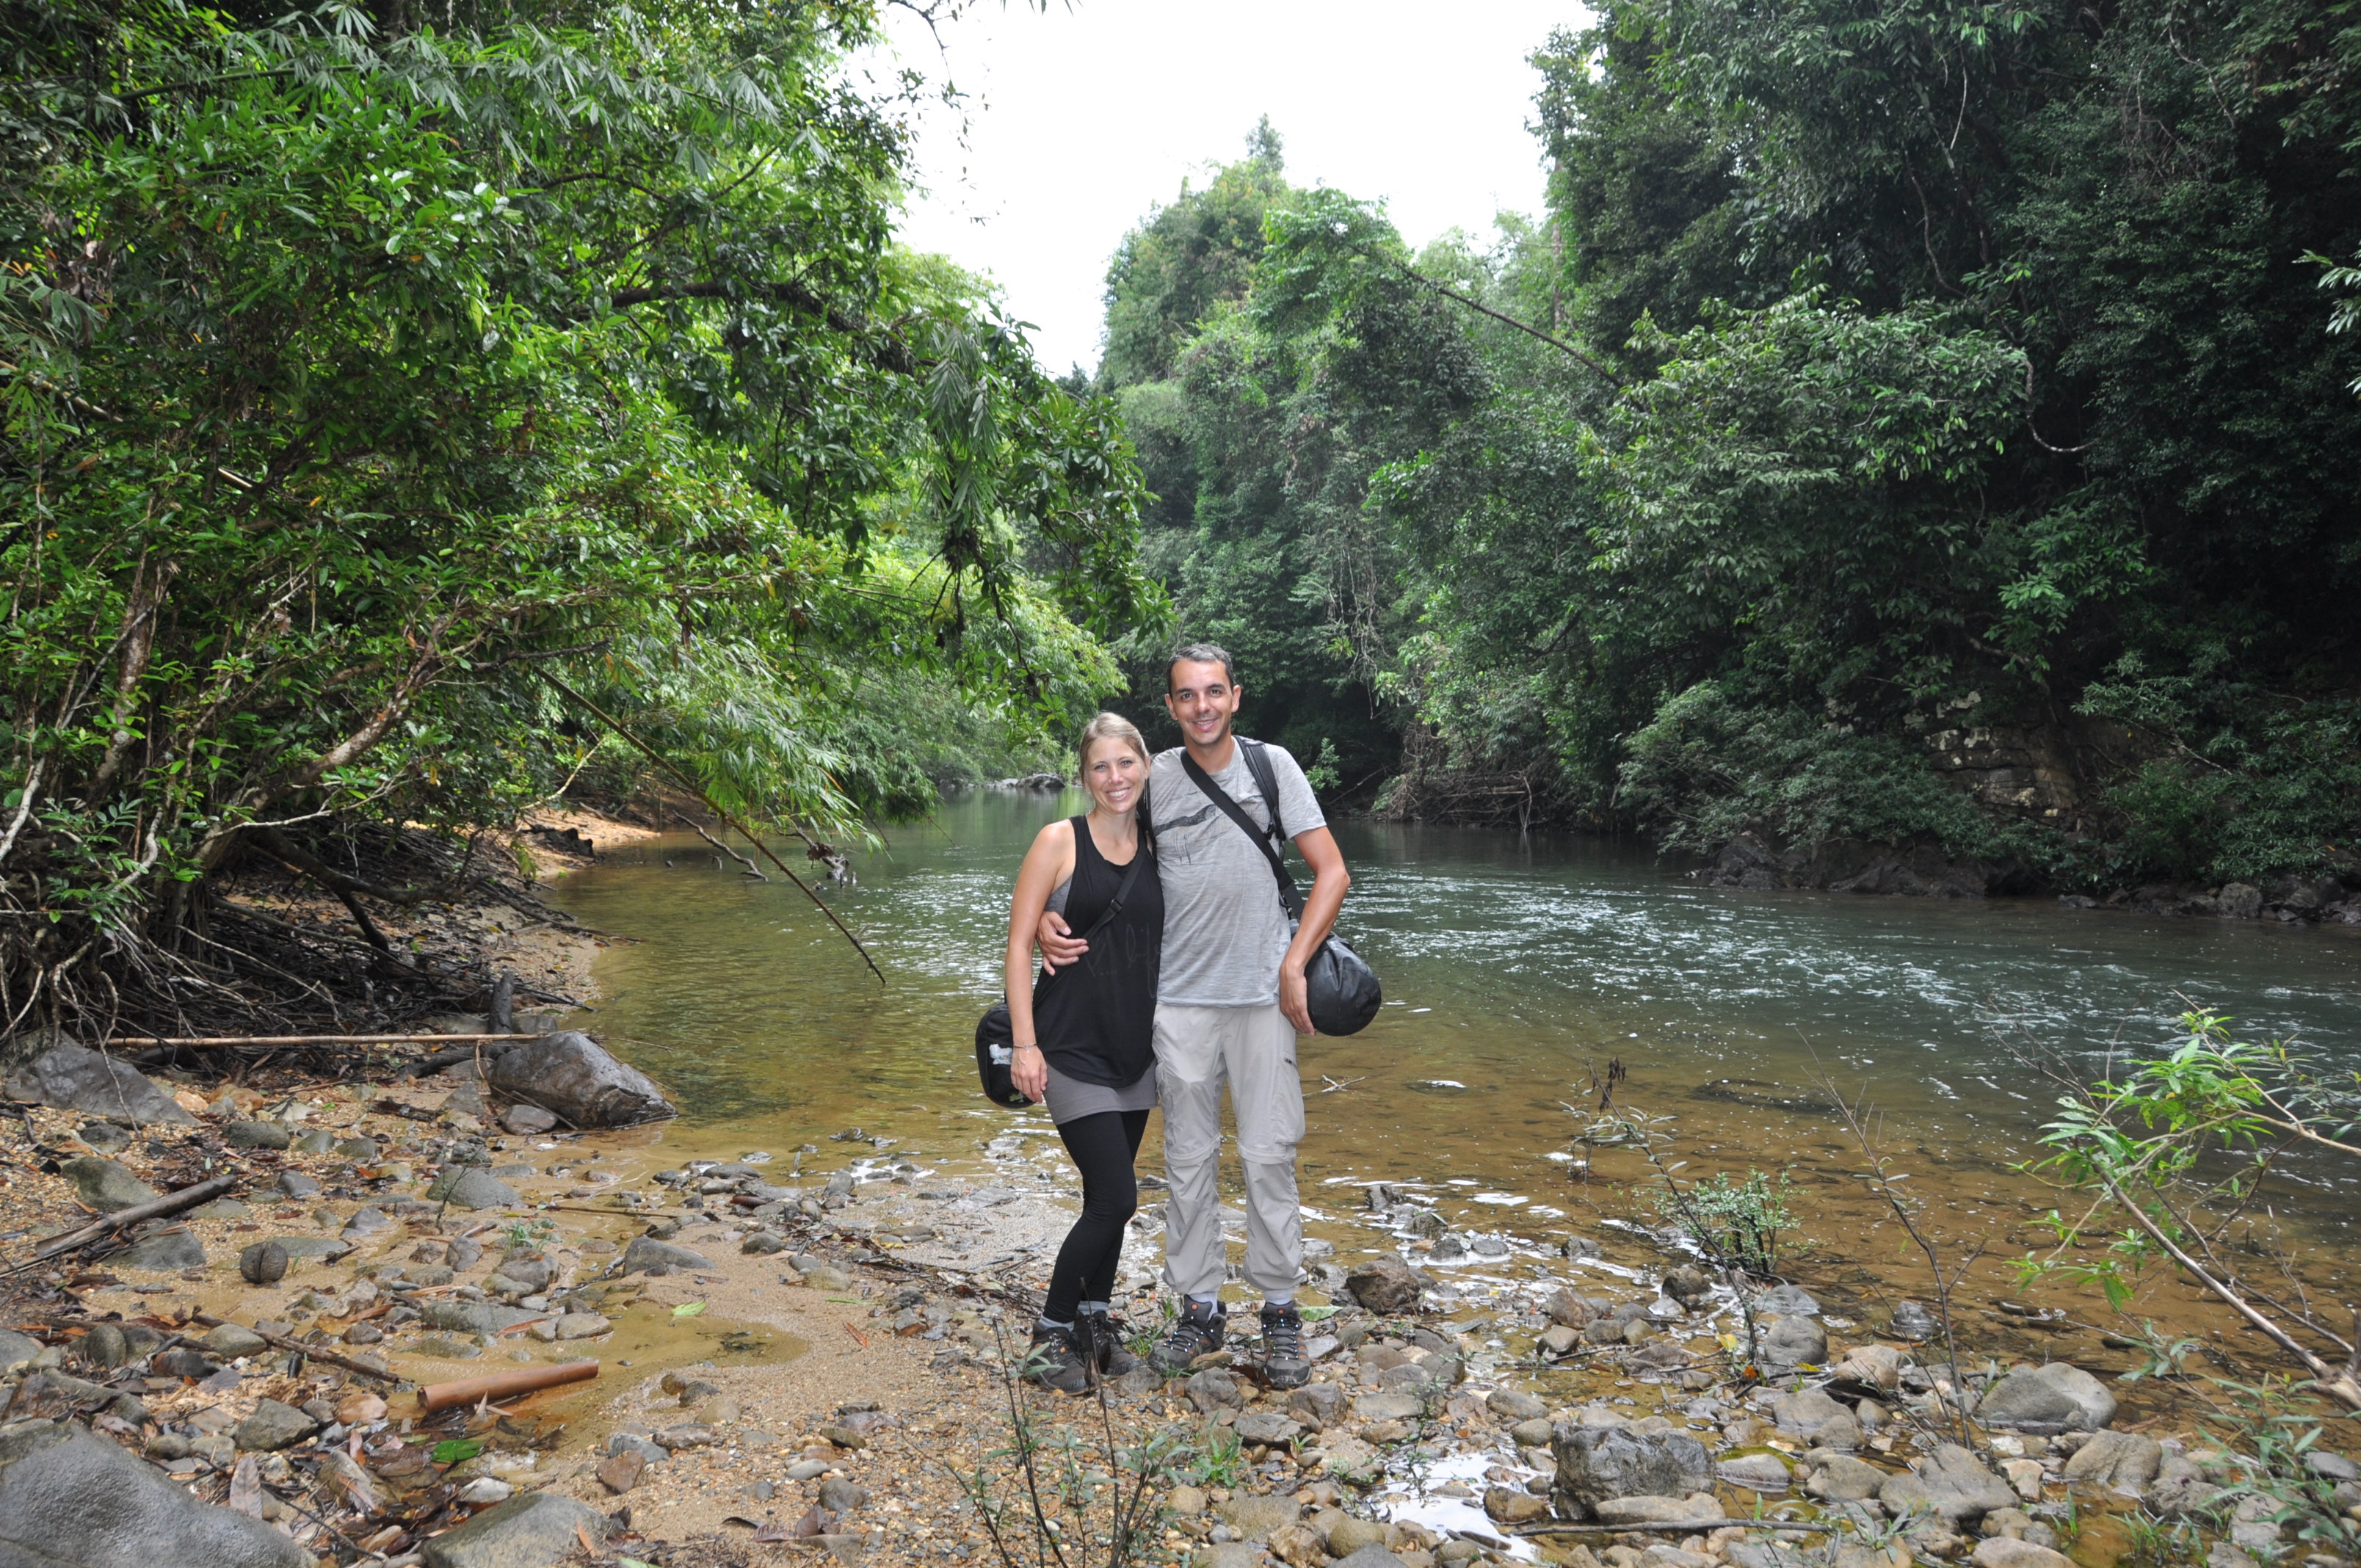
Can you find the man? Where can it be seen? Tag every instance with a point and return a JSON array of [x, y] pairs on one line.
[[1230, 1002]]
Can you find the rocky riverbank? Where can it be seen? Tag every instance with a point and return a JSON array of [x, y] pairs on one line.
[[808, 1348], [1925, 871]]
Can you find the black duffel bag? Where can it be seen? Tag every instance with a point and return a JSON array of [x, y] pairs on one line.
[[1341, 990]]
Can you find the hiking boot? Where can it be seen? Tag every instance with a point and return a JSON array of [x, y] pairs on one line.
[[1194, 1332], [1057, 1361], [1283, 1360], [1106, 1343]]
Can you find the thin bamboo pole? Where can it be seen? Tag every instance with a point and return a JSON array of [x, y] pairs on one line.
[[202, 1041]]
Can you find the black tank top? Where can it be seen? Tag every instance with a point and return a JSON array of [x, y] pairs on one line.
[[1096, 1020]]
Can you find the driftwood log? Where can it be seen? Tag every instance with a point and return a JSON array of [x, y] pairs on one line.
[[154, 1208]]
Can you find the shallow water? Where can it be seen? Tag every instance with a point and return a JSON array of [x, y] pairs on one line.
[[1515, 971]]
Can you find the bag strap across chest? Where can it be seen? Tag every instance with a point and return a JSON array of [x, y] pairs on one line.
[[1124, 884], [1290, 897]]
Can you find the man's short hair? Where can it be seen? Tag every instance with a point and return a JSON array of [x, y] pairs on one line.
[[1200, 654]]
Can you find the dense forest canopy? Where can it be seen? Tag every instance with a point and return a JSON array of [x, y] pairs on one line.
[[1907, 424], [365, 365]]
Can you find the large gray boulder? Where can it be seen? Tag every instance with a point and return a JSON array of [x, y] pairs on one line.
[[273, 1426], [173, 1247], [2126, 1461], [646, 1253], [75, 1078], [472, 1317], [1384, 1284], [104, 1185], [69, 1498], [1805, 1412], [1596, 1463], [472, 1187], [2047, 1400], [536, 1530], [569, 1075], [2181, 1489], [1784, 1343], [1950, 1482]]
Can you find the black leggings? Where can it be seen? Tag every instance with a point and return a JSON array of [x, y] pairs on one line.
[[1103, 1147]]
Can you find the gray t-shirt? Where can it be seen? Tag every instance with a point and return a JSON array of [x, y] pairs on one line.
[[1224, 929]]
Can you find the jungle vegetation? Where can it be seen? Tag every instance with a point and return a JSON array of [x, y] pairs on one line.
[[1886, 382], [374, 377]]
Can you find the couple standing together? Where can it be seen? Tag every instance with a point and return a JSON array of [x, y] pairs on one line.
[[1170, 973]]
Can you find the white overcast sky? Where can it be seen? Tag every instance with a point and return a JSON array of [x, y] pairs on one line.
[[1082, 119]]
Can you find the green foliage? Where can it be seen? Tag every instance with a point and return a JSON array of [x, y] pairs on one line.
[[518, 1234], [1258, 442], [1737, 1224], [1705, 769], [351, 373], [1218, 1460], [1947, 392], [2172, 1154], [1169, 273], [2254, 782]]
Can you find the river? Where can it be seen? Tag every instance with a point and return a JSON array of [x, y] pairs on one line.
[[1515, 970]]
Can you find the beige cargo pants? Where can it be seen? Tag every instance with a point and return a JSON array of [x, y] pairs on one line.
[[1252, 1050]]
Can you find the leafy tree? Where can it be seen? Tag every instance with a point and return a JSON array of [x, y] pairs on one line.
[[356, 372], [1965, 358]]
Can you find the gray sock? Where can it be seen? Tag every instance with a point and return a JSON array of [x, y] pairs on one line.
[[1053, 1323], [1092, 1309]]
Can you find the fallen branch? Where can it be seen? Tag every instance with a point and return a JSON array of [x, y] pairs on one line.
[[310, 1352], [752, 869], [2344, 1386], [500, 1386], [154, 1208], [202, 1041]]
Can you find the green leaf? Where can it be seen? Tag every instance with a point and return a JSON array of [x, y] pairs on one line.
[[456, 1450], [689, 1308]]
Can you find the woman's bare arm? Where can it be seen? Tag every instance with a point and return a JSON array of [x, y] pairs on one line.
[[1050, 862]]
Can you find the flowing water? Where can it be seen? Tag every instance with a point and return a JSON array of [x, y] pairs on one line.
[[1516, 971]]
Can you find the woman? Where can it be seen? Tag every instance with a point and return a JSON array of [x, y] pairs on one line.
[[1082, 1037]]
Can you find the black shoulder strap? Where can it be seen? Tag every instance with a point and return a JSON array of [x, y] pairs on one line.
[[1288, 896], [1123, 886], [1258, 764]]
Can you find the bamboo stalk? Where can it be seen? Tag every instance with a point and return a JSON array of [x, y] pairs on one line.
[[154, 1208], [500, 1386], [209, 1040]]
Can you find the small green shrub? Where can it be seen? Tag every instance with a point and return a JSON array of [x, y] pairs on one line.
[[1739, 1225]]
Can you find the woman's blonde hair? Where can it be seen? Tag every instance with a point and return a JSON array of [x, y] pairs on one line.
[[1107, 727]]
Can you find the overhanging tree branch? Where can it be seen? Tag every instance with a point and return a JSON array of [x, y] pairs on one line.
[[667, 764]]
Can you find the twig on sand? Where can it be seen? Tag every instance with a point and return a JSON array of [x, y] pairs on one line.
[[154, 1208]]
